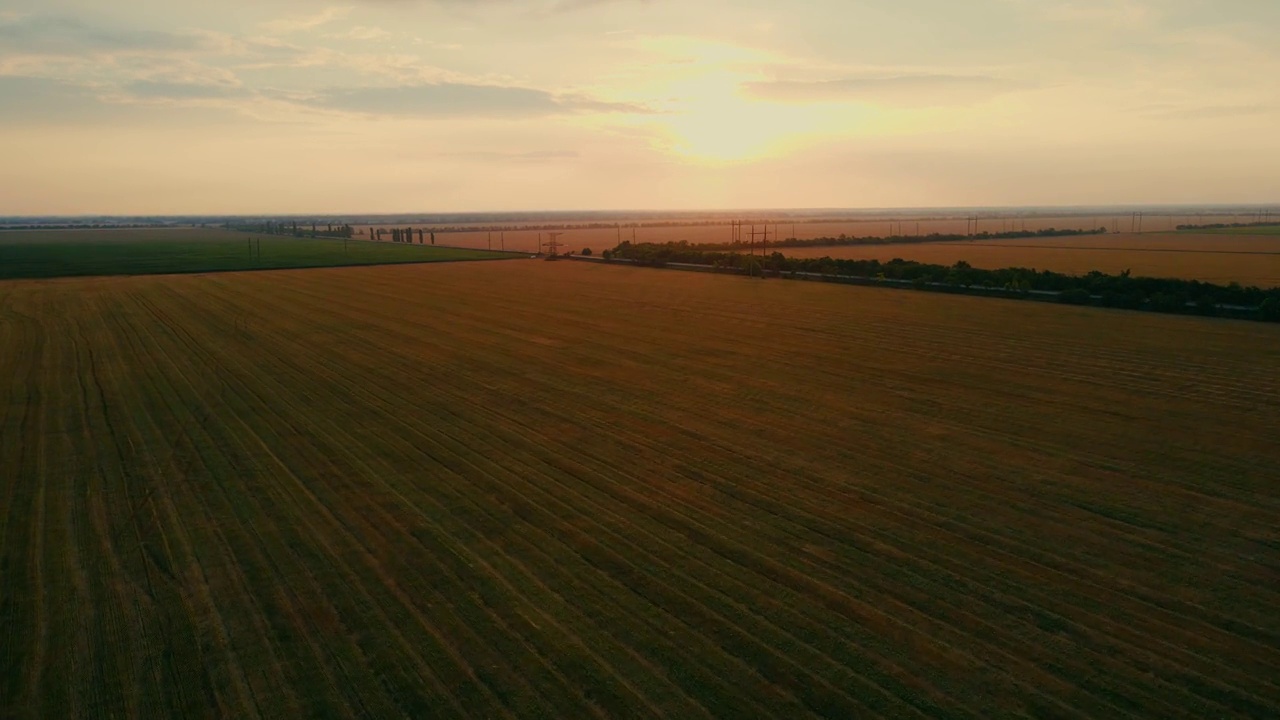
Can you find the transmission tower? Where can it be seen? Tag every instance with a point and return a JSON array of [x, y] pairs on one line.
[[553, 245]]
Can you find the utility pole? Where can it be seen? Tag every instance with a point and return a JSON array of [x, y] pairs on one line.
[[764, 236]]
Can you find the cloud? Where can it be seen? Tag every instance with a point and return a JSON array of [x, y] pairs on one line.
[[533, 156], [925, 89], [1123, 14], [533, 8], [42, 100], [55, 35], [45, 102], [1209, 112], [173, 90], [570, 5], [360, 32], [310, 22], [461, 100]]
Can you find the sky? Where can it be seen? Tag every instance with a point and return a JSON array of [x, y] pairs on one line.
[[307, 106]]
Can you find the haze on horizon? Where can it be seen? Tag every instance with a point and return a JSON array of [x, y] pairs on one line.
[[147, 107]]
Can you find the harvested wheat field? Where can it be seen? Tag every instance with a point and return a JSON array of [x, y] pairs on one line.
[[568, 490], [1222, 259]]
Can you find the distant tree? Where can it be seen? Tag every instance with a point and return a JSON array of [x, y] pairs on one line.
[[1166, 302], [1075, 296], [586, 252], [1270, 309]]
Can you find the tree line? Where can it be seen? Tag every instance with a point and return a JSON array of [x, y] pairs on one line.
[[405, 235], [272, 227], [1223, 226], [844, 239], [1169, 295]]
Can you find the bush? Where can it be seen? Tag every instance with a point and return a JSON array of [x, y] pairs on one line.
[[1166, 302], [1270, 310], [1075, 296], [586, 252]]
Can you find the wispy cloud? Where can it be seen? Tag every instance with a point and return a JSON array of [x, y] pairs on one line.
[[1109, 13], [460, 100], [360, 32], [922, 89], [178, 90], [46, 102], [41, 99], [284, 26], [60, 35], [1210, 111], [532, 156]]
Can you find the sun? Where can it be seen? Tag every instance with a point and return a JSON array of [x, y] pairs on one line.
[[711, 122], [703, 112]]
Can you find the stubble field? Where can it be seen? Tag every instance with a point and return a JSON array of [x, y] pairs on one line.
[[569, 490], [1217, 258]]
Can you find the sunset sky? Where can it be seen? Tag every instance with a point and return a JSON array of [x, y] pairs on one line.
[[150, 106]]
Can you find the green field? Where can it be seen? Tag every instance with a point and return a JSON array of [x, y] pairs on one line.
[[570, 490], [62, 253]]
